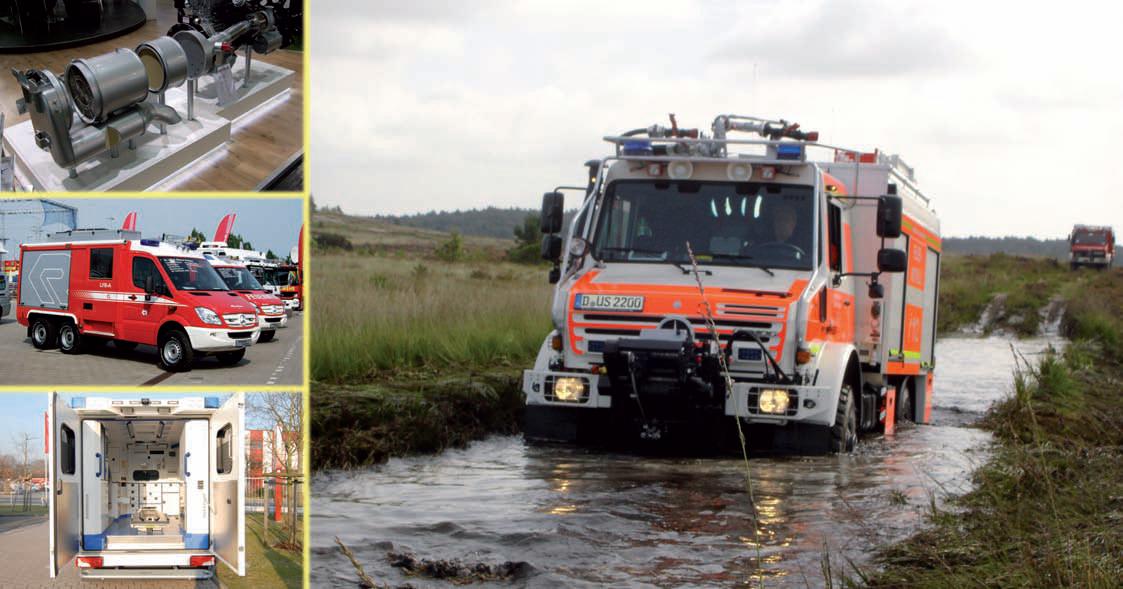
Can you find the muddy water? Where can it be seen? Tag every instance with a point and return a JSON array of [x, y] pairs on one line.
[[581, 518]]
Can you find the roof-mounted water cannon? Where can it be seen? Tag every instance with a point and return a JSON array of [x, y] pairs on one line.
[[771, 130]]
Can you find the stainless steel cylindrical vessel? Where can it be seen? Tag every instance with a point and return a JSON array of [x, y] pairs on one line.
[[165, 61], [199, 51], [102, 85]]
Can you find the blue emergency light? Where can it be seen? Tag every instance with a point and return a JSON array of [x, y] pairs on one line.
[[150, 242], [789, 151], [638, 147]]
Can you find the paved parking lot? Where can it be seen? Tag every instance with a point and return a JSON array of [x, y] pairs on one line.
[[25, 554], [278, 362]]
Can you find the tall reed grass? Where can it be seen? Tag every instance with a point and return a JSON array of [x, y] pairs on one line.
[[375, 315]]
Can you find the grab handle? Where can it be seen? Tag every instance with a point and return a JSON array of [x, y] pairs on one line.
[[186, 472], [98, 455]]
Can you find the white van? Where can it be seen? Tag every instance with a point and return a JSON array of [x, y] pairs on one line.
[[146, 487]]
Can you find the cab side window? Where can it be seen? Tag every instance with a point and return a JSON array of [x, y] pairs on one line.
[[142, 269], [67, 452], [224, 450], [101, 262], [834, 237]]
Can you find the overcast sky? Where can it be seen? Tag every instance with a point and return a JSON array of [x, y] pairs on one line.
[[1009, 116]]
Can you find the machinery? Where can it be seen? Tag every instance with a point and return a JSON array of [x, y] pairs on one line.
[[1091, 245], [809, 317], [146, 487], [102, 103]]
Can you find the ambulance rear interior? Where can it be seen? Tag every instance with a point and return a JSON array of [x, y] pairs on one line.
[[136, 482]]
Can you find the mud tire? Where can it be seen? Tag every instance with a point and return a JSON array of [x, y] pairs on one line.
[[844, 432], [906, 401]]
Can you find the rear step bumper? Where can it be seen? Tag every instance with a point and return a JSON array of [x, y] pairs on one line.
[[152, 573]]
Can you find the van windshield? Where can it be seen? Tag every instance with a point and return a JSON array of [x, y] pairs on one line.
[[736, 224], [239, 278], [192, 274]]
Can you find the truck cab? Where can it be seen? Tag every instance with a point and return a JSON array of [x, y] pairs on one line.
[[87, 287], [270, 309], [687, 264], [146, 487], [1092, 246]]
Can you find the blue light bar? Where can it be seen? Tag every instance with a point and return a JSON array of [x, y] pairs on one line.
[[789, 151], [211, 403], [638, 147], [150, 242]]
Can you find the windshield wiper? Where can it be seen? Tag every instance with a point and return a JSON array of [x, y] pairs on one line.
[[737, 257]]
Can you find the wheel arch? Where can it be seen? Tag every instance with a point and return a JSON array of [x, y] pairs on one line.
[[839, 364]]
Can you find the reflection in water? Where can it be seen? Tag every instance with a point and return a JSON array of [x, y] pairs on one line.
[[582, 518]]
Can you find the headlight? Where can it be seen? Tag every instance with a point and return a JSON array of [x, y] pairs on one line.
[[773, 401], [569, 389], [208, 316]]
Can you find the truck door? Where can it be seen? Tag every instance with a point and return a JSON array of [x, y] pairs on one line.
[[195, 463], [140, 315], [95, 488], [228, 483], [63, 452]]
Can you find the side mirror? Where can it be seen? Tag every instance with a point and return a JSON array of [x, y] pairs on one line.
[[149, 285], [891, 260], [551, 247], [889, 216], [555, 275], [552, 212]]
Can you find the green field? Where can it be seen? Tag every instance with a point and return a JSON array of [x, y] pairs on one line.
[[265, 566]]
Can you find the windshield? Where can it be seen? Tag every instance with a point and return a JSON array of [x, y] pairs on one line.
[[239, 279], [744, 224], [1090, 238], [192, 274]]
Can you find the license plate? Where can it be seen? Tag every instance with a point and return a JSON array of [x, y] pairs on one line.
[[242, 343], [602, 302]]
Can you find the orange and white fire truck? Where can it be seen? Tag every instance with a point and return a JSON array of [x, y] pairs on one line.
[[1091, 245], [89, 286], [820, 277]]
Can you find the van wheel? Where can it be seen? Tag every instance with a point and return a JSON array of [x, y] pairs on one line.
[[69, 340], [44, 334], [844, 432], [231, 358], [905, 400], [176, 354], [124, 346], [266, 336]]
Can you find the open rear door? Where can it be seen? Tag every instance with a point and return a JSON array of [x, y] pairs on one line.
[[228, 515], [63, 451]]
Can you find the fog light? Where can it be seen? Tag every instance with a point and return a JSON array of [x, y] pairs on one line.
[[773, 401], [569, 389]]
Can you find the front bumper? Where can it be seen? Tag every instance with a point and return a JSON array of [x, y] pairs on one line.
[[810, 404], [268, 322], [205, 339]]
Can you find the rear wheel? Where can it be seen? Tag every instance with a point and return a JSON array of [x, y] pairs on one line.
[[844, 432], [44, 333], [905, 400], [266, 336], [176, 354], [69, 340], [231, 358]]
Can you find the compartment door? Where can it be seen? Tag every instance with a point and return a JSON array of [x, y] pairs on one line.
[[228, 483], [94, 488], [45, 279], [195, 465], [63, 454]]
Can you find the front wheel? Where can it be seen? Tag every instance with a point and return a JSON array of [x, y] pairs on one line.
[[905, 398], [844, 432], [69, 340], [266, 336], [231, 358], [176, 354], [44, 334]]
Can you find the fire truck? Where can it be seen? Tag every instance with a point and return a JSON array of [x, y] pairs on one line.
[[1091, 245], [89, 286], [271, 310], [707, 279]]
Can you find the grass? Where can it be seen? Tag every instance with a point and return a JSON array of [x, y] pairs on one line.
[[265, 566], [1047, 508], [17, 509]]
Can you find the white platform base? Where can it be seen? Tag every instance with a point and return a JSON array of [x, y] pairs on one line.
[[267, 81], [157, 157]]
